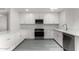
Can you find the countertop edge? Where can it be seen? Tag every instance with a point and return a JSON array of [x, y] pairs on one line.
[[63, 31]]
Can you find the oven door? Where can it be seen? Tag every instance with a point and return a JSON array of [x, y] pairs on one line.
[[39, 33]]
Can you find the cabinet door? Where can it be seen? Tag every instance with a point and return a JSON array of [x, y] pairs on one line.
[[30, 34], [39, 15], [51, 18], [49, 33], [27, 18], [58, 37]]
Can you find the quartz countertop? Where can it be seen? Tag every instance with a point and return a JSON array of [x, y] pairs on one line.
[[68, 32], [5, 33], [57, 29]]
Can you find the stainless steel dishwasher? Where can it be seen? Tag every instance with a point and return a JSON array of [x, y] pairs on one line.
[[68, 42]]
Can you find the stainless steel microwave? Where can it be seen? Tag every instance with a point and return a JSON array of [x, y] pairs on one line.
[[38, 21]]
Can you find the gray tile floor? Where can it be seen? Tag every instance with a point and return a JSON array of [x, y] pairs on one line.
[[38, 45]]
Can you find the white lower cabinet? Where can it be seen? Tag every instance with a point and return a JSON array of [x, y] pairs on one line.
[[22, 35], [28, 34], [49, 33], [58, 37]]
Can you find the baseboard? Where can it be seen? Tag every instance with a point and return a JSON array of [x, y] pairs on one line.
[[39, 39]]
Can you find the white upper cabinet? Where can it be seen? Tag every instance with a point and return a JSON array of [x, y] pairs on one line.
[[51, 18], [27, 18], [38, 15]]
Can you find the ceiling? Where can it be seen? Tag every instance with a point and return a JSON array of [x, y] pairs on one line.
[[37, 10], [31, 10], [4, 10]]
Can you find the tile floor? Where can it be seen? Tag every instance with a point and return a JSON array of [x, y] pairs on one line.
[[38, 45]]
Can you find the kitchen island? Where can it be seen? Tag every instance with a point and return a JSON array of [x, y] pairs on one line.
[[9, 40]]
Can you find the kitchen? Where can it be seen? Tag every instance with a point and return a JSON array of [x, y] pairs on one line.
[[39, 25]]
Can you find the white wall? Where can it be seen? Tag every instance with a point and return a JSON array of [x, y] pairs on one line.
[[14, 20], [62, 19], [3, 23], [73, 20], [70, 17]]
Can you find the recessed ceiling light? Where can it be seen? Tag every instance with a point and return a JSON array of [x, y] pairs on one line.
[[53, 9], [26, 9]]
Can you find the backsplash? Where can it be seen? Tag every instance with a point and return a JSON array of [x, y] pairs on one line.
[[48, 30]]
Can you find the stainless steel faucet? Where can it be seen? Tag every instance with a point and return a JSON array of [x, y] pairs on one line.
[[65, 26]]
